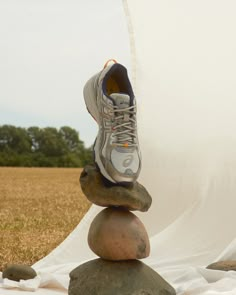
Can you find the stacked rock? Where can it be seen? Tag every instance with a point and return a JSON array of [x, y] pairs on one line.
[[119, 238]]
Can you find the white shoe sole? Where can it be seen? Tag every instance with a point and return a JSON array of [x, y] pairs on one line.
[[91, 104]]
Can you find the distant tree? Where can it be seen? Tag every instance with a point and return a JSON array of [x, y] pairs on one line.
[[87, 156], [42, 147], [71, 139], [14, 139], [51, 143], [34, 134]]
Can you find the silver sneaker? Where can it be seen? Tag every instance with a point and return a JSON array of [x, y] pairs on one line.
[[110, 100]]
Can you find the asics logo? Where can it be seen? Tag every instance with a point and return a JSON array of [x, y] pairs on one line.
[[128, 161]]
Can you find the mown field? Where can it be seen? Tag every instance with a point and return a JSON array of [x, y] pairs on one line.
[[39, 207]]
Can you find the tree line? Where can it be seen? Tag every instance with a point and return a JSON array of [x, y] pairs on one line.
[[42, 147]]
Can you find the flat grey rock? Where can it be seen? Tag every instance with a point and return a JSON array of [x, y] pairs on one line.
[[104, 193], [102, 277], [17, 272], [225, 265]]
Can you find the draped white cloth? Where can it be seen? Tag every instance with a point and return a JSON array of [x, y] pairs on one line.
[[184, 70]]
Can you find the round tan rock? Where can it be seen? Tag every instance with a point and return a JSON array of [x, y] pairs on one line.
[[117, 234]]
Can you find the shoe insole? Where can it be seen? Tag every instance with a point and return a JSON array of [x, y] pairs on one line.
[[112, 86]]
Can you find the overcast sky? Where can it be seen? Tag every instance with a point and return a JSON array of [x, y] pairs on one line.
[[48, 50]]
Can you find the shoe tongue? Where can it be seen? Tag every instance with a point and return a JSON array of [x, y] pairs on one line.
[[121, 100]]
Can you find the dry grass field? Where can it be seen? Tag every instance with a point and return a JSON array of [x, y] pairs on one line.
[[39, 207]]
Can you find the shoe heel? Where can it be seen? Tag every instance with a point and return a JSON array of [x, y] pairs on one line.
[[90, 96]]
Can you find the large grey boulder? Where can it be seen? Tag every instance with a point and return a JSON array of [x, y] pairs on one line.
[[17, 272], [118, 234], [101, 277], [225, 265], [104, 193]]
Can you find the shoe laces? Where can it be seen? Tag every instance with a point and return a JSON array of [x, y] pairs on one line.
[[123, 125]]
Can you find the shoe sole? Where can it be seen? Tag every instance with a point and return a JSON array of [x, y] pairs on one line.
[[91, 105]]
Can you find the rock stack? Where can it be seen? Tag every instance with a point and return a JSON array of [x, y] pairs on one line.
[[119, 238]]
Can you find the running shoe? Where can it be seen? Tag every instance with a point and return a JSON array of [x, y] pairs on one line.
[[110, 100]]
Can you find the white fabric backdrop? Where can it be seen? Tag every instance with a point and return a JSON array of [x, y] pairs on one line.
[[185, 63]]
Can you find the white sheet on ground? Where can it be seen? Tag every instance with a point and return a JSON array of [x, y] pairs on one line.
[[185, 72]]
